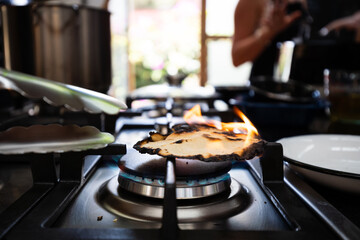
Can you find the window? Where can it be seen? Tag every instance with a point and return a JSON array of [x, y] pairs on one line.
[[217, 31], [163, 40], [156, 38]]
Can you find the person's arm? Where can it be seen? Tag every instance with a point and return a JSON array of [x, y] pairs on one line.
[[250, 35], [247, 45], [351, 23]]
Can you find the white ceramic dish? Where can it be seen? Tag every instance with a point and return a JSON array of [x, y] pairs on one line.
[[58, 94], [52, 138], [328, 159]]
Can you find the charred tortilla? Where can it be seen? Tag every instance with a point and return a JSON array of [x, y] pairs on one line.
[[201, 142]]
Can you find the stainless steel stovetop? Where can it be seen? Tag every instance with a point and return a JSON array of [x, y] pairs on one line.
[[78, 196]]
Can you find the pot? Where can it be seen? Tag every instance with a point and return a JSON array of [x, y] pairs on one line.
[[72, 45], [64, 43], [270, 89]]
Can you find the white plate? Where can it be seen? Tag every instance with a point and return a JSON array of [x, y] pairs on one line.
[[329, 159], [52, 138], [58, 94]]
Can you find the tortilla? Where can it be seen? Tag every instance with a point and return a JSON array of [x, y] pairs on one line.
[[202, 142]]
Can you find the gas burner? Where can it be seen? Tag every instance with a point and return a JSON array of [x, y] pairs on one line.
[[132, 206], [153, 166], [185, 189], [144, 174], [204, 191]]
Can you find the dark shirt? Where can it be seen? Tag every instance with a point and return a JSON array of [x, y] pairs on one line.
[[263, 65]]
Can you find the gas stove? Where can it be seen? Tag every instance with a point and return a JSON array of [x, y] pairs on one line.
[[118, 193]]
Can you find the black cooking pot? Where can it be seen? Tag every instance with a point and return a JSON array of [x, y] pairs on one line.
[[270, 89]]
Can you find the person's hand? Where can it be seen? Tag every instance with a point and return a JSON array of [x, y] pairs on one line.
[[350, 23], [278, 19]]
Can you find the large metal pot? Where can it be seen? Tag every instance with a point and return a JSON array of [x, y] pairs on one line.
[[17, 39], [72, 45], [69, 44]]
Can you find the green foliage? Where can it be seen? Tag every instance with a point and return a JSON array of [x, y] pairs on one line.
[[143, 76]]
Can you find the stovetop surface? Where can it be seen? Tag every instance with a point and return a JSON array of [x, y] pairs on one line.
[[274, 212], [85, 210], [11, 185]]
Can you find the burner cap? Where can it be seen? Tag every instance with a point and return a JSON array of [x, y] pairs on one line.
[[185, 189]]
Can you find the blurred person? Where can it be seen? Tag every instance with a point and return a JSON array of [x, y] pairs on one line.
[[350, 23], [260, 25]]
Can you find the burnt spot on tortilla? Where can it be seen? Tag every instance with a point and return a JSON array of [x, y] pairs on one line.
[[184, 128], [227, 133], [179, 141], [234, 139], [208, 136]]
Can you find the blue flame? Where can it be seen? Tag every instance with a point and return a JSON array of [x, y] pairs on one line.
[[148, 180], [190, 183], [161, 182]]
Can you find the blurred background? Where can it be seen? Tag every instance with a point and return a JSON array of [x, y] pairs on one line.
[[151, 39], [122, 47]]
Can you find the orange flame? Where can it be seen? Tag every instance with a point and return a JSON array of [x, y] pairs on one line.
[[194, 116]]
